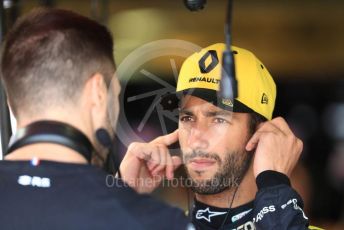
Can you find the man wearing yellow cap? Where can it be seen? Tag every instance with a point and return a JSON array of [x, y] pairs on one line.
[[236, 156]]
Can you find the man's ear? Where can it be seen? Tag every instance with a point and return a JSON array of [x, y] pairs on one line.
[[95, 97], [97, 90], [13, 116]]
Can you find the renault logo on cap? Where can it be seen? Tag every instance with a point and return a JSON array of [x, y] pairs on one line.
[[214, 61], [205, 79]]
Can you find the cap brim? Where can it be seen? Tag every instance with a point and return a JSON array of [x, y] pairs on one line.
[[172, 101]]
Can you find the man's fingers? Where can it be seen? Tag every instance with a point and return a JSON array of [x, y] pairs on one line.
[[177, 161], [140, 151], [269, 126], [277, 126], [253, 142], [166, 161], [169, 167], [280, 123], [156, 156], [162, 163], [155, 159], [168, 139]]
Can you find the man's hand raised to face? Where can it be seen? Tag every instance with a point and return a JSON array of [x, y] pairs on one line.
[[145, 165], [276, 147]]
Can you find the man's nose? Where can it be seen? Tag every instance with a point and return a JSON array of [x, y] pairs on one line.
[[198, 138]]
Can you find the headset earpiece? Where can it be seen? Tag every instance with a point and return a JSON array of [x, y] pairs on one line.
[[52, 132]]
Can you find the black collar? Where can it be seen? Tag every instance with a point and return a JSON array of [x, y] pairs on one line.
[[48, 131]]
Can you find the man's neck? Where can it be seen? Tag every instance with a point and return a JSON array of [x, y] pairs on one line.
[[77, 119], [49, 152], [246, 193]]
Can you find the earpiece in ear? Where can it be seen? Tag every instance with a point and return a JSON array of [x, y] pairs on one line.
[[112, 162], [103, 137]]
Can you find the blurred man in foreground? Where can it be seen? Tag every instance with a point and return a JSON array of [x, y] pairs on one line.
[[57, 67]]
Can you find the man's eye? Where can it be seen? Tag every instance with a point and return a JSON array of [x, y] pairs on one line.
[[220, 120], [186, 119]]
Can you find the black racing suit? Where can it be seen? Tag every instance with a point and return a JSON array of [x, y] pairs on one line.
[[276, 206]]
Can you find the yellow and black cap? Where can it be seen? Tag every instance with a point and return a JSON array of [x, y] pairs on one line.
[[200, 76]]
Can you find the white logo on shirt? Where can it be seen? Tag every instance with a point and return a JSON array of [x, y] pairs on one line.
[[240, 215], [296, 207], [265, 210], [34, 181], [207, 215]]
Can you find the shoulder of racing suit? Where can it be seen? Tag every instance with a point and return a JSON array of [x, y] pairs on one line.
[[277, 205]]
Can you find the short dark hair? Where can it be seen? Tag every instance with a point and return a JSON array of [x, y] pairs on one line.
[[255, 120], [49, 54]]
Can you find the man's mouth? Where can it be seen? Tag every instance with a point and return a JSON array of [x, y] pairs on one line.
[[200, 164]]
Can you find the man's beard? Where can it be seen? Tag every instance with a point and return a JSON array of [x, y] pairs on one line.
[[229, 175]]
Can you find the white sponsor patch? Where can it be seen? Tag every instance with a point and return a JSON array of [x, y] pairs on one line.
[[240, 215], [264, 211], [247, 226], [295, 205], [34, 181]]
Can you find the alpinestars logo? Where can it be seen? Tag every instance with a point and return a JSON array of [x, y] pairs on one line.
[[207, 214], [265, 99]]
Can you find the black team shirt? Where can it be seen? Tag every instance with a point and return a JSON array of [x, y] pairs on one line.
[[50, 195]]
